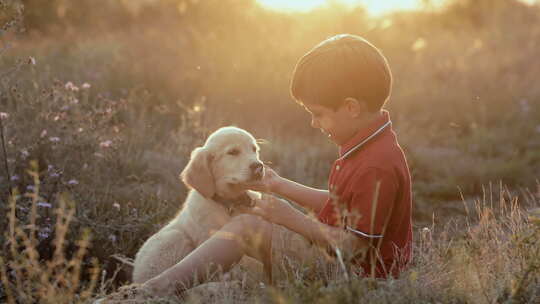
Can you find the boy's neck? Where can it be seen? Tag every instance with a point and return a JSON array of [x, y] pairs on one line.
[[367, 119], [362, 123]]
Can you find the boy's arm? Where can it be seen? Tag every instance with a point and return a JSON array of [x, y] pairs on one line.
[[282, 213], [322, 234], [305, 196]]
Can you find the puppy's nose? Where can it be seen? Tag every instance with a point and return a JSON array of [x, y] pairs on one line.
[[256, 167], [256, 170]]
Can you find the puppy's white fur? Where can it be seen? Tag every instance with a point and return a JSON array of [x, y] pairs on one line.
[[219, 167]]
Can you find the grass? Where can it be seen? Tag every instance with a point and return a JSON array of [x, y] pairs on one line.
[[493, 257], [97, 111], [27, 275]]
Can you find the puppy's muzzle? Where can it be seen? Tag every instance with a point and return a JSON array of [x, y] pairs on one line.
[[257, 171]]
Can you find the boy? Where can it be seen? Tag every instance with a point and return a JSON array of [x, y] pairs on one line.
[[366, 214], [343, 83]]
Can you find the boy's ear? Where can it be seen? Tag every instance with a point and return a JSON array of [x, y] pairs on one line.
[[355, 106]]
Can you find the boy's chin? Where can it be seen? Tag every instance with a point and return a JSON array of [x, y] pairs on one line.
[[333, 139], [328, 135]]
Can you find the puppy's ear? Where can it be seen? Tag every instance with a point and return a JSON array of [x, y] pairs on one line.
[[197, 174]]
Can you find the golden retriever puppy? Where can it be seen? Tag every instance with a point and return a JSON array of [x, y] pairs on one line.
[[215, 174]]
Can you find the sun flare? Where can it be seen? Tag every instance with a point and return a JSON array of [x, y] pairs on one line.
[[375, 7]]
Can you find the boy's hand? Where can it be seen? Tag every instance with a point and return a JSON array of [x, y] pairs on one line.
[[267, 184], [273, 209]]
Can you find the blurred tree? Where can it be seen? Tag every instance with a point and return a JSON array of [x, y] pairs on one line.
[[80, 14], [480, 13]]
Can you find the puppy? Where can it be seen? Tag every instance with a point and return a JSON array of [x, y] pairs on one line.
[[215, 174]]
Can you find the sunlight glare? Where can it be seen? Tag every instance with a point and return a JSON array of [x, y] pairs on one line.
[[294, 6], [375, 7]]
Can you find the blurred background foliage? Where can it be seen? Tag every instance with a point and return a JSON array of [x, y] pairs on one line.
[[116, 94]]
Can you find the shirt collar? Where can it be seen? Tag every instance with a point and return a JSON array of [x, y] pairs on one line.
[[381, 124]]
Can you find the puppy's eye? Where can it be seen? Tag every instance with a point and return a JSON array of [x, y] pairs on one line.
[[233, 152]]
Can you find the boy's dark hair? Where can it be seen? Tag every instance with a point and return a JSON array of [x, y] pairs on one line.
[[339, 67]]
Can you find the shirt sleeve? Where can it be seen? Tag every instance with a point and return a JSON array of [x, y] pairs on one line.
[[373, 196]]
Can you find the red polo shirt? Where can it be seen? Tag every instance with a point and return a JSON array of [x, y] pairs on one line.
[[370, 194]]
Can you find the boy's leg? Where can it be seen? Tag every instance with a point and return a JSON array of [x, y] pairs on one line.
[[245, 234]]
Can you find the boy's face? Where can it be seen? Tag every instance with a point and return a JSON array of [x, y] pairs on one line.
[[339, 125]]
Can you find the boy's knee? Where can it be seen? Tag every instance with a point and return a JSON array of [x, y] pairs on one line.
[[255, 234], [250, 223], [250, 228]]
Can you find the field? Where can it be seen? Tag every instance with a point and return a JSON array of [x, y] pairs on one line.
[[101, 103]]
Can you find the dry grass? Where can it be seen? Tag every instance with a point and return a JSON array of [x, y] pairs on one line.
[[493, 258], [111, 119], [26, 275]]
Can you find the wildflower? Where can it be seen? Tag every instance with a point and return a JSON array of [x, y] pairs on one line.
[[30, 188], [44, 233], [24, 153], [112, 237], [86, 86], [44, 204], [31, 60], [116, 205], [50, 167], [43, 133], [71, 87], [54, 174], [14, 178], [54, 139], [73, 182], [105, 144], [4, 115], [80, 130]]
